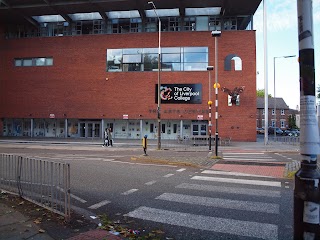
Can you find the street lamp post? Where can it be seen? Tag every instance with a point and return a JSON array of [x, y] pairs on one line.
[[274, 91], [216, 34], [210, 68], [159, 82]]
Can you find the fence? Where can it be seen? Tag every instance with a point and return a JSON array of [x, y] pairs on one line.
[[288, 140], [44, 183]]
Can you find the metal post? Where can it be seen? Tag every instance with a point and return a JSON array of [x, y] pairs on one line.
[[210, 68], [266, 105], [159, 82], [274, 90], [216, 89], [306, 191]]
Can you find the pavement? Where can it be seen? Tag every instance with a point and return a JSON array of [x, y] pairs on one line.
[[15, 225]]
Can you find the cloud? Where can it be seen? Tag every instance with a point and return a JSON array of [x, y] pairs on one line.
[[282, 15]]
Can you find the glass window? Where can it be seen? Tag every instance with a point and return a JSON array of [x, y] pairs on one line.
[[273, 112], [170, 50], [150, 62], [136, 58], [49, 61], [170, 66], [27, 62], [194, 66], [195, 57], [18, 62], [132, 51], [40, 61], [195, 49], [282, 111], [174, 57]]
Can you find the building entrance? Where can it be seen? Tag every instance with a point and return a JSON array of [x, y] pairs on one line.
[[89, 129]]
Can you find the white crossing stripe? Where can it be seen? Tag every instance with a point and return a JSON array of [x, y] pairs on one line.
[[168, 175], [100, 204], [238, 181], [232, 174], [248, 159], [245, 153], [73, 196], [213, 224], [221, 203], [129, 191], [181, 170], [150, 183], [231, 190]]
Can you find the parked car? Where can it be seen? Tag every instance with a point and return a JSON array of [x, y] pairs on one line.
[[295, 132], [260, 130], [278, 131]]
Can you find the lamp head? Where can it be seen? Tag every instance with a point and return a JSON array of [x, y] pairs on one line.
[[216, 33], [209, 68]]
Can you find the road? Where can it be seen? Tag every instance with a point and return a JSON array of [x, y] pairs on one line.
[[183, 202]]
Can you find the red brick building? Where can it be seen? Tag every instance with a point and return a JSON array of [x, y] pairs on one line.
[[74, 78]]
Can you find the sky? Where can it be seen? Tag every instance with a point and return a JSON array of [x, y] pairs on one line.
[[282, 40]]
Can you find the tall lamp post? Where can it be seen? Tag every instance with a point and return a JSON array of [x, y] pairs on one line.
[[210, 68], [274, 91], [159, 82], [215, 34]]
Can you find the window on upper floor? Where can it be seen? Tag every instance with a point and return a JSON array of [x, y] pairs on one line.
[[282, 111], [273, 112], [147, 59], [262, 111], [37, 61]]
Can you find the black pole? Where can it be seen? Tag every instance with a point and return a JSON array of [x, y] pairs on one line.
[[306, 191]]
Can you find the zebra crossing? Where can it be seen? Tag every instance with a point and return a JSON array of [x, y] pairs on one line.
[[222, 193]]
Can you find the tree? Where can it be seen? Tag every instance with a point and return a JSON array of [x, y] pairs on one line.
[[260, 93], [292, 122]]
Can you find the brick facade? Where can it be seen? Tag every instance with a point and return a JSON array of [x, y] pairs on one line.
[[78, 86]]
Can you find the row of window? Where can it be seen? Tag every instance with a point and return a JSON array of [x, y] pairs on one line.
[[147, 59], [126, 25], [30, 62], [273, 112], [273, 123]]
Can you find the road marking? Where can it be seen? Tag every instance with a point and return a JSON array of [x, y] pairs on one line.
[[231, 190], [150, 183], [100, 204], [248, 159], [238, 181], [213, 224], [129, 191], [181, 169], [73, 196], [221, 203], [233, 174], [168, 175], [143, 164], [257, 153]]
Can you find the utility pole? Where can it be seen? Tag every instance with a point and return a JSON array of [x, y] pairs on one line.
[[306, 191]]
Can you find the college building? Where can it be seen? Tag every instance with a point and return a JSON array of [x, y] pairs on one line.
[[70, 68]]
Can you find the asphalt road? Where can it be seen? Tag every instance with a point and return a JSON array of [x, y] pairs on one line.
[[183, 202]]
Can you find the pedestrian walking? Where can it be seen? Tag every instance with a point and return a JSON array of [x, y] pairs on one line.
[[105, 138], [110, 140]]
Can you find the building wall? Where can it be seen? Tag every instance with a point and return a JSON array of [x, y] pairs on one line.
[[78, 85]]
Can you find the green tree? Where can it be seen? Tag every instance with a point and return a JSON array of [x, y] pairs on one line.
[[260, 93], [292, 122]]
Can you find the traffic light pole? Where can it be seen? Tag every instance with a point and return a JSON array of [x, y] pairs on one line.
[[306, 192]]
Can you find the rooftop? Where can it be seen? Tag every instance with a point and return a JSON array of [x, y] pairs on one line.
[[33, 11]]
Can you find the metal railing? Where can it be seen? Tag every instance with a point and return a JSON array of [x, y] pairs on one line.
[[287, 140], [44, 183]]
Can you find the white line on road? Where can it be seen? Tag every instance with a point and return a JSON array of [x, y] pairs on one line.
[[100, 204], [238, 181], [141, 164], [73, 196], [150, 183], [168, 175], [221, 203], [244, 153], [233, 174], [247, 158], [230, 190], [213, 224], [129, 191], [181, 169]]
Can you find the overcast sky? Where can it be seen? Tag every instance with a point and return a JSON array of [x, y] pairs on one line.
[[282, 33]]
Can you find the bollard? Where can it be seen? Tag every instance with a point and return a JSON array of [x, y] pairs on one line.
[[144, 145]]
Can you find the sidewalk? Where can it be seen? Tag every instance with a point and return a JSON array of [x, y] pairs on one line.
[[15, 225]]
